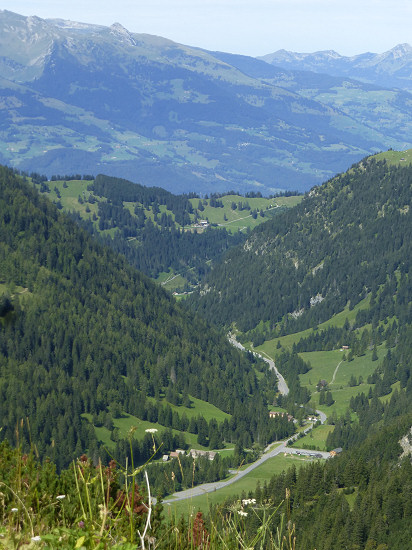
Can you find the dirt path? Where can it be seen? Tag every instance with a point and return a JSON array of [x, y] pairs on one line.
[[336, 370], [170, 279], [244, 218]]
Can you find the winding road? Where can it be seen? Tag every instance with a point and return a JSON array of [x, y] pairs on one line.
[[271, 451], [282, 386]]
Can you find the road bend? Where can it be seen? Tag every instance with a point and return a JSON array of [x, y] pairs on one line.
[[282, 386]]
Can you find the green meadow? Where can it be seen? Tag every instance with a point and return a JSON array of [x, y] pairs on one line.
[[68, 194], [198, 407], [236, 219], [128, 422], [325, 363], [315, 439], [396, 157], [338, 320]]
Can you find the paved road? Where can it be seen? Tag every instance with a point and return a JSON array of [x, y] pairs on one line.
[[282, 386], [211, 487], [270, 451], [322, 416]]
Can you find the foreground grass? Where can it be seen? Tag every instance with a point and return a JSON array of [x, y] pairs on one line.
[[91, 507]]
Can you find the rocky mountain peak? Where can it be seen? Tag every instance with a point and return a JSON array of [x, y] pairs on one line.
[[402, 49], [122, 34]]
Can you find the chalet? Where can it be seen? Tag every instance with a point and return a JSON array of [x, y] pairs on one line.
[[196, 453], [336, 451], [176, 453], [165, 458], [274, 414]]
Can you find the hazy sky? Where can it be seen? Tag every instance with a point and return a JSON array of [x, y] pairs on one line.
[[250, 27]]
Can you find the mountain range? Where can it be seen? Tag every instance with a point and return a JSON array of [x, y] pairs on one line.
[[391, 69], [87, 98]]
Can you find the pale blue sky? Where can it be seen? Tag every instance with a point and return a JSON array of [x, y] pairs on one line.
[[250, 27]]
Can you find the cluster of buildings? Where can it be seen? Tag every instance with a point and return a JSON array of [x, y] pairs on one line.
[[201, 224], [194, 453], [274, 414]]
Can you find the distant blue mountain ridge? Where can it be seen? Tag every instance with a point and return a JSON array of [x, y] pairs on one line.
[[80, 98]]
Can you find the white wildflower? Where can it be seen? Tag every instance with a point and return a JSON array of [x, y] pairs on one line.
[[242, 513], [151, 430], [61, 497], [37, 538], [14, 510], [247, 501]]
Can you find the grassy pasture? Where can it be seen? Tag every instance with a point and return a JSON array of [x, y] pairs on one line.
[[396, 157], [171, 281], [330, 366], [242, 219], [16, 292], [199, 407], [324, 364], [315, 439], [128, 421], [236, 219], [338, 320], [342, 397]]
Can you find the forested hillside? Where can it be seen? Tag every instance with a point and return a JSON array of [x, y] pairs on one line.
[[174, 239], [358, 500], [348, 239], [347, 243], [83, 332], [156, 243]]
